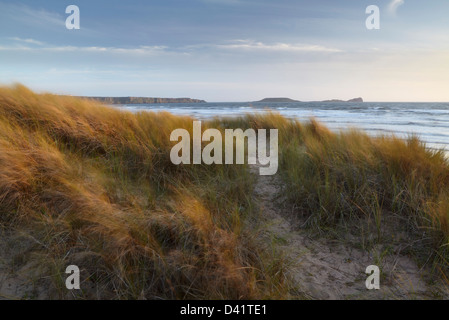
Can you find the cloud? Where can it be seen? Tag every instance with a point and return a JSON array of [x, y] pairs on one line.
[[394, 5], [234, 46], [143, 50], [30, 16], [279, 47], [29, 41]]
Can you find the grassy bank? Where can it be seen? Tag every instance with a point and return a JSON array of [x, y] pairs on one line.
[[88, 185], [367, 191]]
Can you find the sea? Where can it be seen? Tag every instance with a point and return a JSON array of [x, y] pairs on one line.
[[428, 121]]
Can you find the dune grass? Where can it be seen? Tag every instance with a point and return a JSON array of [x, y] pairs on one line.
[[374, 190], [88, 185]]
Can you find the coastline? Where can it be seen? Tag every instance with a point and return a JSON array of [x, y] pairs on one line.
[[425, 120]]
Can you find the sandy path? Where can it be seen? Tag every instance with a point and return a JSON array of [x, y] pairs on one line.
[[18, 282], [325, 269], [12, 286]]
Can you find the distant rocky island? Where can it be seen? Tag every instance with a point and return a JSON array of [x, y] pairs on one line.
[[351, 100], [142, 100], [271, 100]]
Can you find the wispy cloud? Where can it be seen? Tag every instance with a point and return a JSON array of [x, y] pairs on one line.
[[394, 5], [236, 45], [29, 41], [138, 50], [280, 47], [30, 16]]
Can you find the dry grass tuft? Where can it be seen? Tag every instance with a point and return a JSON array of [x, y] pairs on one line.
[[95, 187]]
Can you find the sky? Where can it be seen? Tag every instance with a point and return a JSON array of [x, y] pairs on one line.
[[229, 50]]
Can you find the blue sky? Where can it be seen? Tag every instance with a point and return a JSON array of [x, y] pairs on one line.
[[229, 50]]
